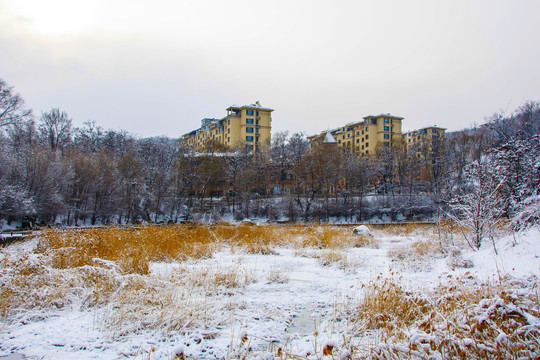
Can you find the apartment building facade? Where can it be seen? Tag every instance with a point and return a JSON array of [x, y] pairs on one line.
[[424, 139], [247, 126], [363, 137]]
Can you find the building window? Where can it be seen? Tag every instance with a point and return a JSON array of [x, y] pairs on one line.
[[358, 132], [367, 145], [228, 131], [367, 129], [367, 152], [228, 139], [367, 136], [343, 136], [249, 138], [249, 112], [386, 120], [362, 147], [249, 130], [249, 121], [229, 122], [340, 141], [357, 141], [348, 135], [249, 147], [257, 130], [257, 113], [387, 136], [387, 128], [256, 122]]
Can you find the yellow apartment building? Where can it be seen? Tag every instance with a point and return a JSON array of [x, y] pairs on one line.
[[246, 126], [418, 141], [363, 137]]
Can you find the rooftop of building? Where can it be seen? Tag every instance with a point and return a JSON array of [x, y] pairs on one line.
[[256, 105], [424, 128], [383, 115]]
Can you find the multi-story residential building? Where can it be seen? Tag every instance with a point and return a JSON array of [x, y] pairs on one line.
[[247, 125], [420, 140], [363, 137]]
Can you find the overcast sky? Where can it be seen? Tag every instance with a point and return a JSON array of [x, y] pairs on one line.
[[158, 67]]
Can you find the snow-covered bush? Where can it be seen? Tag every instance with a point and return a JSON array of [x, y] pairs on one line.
[[528, 214], [15, 202]]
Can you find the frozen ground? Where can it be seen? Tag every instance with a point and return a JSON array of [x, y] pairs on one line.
[[288, 299]]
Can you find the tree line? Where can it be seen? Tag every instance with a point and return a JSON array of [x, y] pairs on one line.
[[54, 172]]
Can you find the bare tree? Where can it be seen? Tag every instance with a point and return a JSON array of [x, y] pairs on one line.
[[89, 138], [12, 110], [56, 128], [478, 207]]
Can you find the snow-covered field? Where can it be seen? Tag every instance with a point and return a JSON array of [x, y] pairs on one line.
[[293, 300]]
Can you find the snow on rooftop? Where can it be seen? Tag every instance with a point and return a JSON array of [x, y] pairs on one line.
[[257, 104], [329, 138]]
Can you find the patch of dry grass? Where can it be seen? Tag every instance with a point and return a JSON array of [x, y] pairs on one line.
[[364, 240], [406, 229], [90, 266], [215, 279], [276, 276], [131, 249], [328, 237], [332, 257], [124, 303], [417, 255], [459, 319]]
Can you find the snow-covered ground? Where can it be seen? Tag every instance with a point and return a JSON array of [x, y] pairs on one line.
[[289, 299]]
